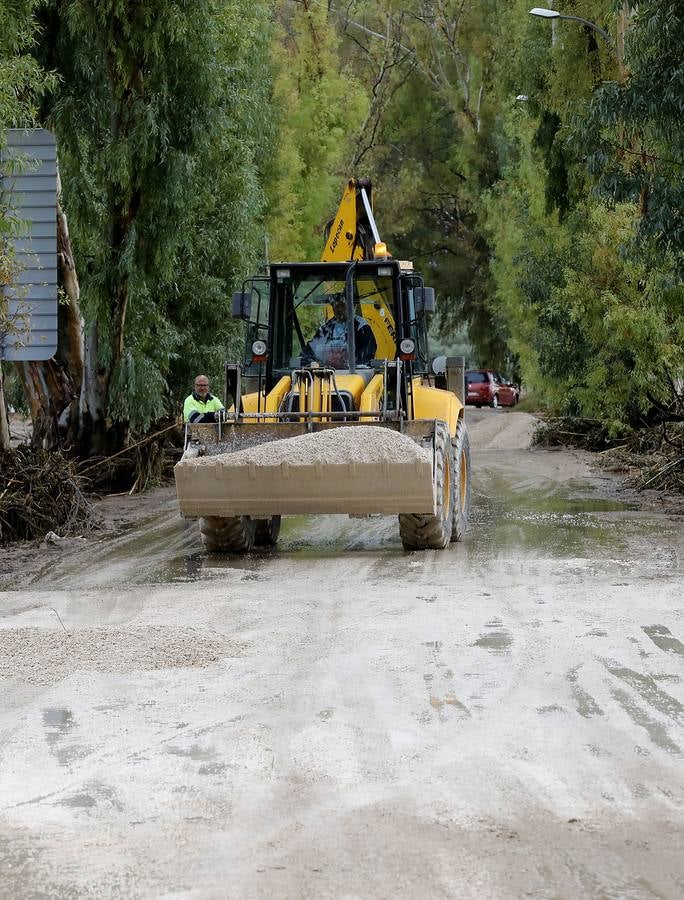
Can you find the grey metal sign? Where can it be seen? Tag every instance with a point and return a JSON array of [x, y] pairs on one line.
[[28, 187]]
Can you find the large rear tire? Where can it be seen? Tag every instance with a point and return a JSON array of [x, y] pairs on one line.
[[232, 534], [461, 446], [267, 531], [433, 532]]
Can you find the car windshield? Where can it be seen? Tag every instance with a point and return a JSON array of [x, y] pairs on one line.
[[475, 377]]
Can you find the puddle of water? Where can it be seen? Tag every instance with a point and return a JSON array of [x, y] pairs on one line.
[[195, 752], [647, 687], [550, 709], [58, 722], [58, 719], [496, 640], [213, 769], [513, 515], [663, 639], [79, 801], [564, 520], [586, 705], [655, 730]]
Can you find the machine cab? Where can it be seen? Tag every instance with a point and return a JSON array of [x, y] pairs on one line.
[[302, 313]]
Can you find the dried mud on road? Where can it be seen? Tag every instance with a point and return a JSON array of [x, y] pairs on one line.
[[339, 718]]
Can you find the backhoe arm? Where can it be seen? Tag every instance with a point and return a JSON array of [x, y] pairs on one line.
[[353, 234]]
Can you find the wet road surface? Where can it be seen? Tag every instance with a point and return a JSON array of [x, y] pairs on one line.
[[339, 718]]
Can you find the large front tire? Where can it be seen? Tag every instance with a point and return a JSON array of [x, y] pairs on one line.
[[461, 447], [433, 531], [231, 534]]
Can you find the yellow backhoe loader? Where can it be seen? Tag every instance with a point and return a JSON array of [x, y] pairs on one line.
[[335, 351]]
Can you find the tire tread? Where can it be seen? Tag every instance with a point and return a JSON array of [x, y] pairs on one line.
[[432, 531], [227, 534]]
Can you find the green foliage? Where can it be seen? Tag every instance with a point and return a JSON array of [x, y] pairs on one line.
[[160, 118], [21, 79], [432, 152], [534, 178], [633, 130], [458, 344], [596, 317], [223, 241], [319, 104]]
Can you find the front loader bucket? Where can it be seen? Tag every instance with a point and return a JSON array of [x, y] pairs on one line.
[[357, 470]]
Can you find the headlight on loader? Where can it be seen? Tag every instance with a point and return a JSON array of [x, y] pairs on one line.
[[407, 349], [259, 351]]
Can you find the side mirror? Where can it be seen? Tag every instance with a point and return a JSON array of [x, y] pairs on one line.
[[242, 305], [425, 299]]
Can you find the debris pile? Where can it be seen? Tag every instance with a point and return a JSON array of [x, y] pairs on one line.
[[40, 492], [573, 431], [651, 457]]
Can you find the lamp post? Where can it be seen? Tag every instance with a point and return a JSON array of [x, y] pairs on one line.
[[554, 14]]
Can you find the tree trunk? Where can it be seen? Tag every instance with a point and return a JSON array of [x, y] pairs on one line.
[[4, 421], [94, 435], [52, 387]]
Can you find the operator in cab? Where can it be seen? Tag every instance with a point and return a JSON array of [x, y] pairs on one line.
[[201, 406], [329, 344]]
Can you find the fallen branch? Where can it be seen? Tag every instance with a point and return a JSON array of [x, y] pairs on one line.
[[146, 439]]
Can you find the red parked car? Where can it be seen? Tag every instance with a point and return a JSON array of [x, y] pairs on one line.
[[489, 388]]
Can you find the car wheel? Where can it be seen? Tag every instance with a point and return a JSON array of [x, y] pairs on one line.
[[478, 406], [495, 402]]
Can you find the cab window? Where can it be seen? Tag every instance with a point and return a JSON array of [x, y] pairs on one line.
[[313, 324]]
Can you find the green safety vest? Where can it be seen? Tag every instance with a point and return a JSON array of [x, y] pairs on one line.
[[193, 408]]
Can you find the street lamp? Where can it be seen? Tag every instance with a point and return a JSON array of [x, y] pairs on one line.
[[554, 14]]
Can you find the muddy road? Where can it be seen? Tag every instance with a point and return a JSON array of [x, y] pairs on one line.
[[340, 719]]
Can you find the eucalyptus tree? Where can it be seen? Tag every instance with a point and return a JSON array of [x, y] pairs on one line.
[[430, 144], [146, 114], [595, 315], [319, 104], [635, 146], [22, 81]]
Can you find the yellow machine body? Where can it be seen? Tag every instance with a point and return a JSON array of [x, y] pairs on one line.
[[313, 398]]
